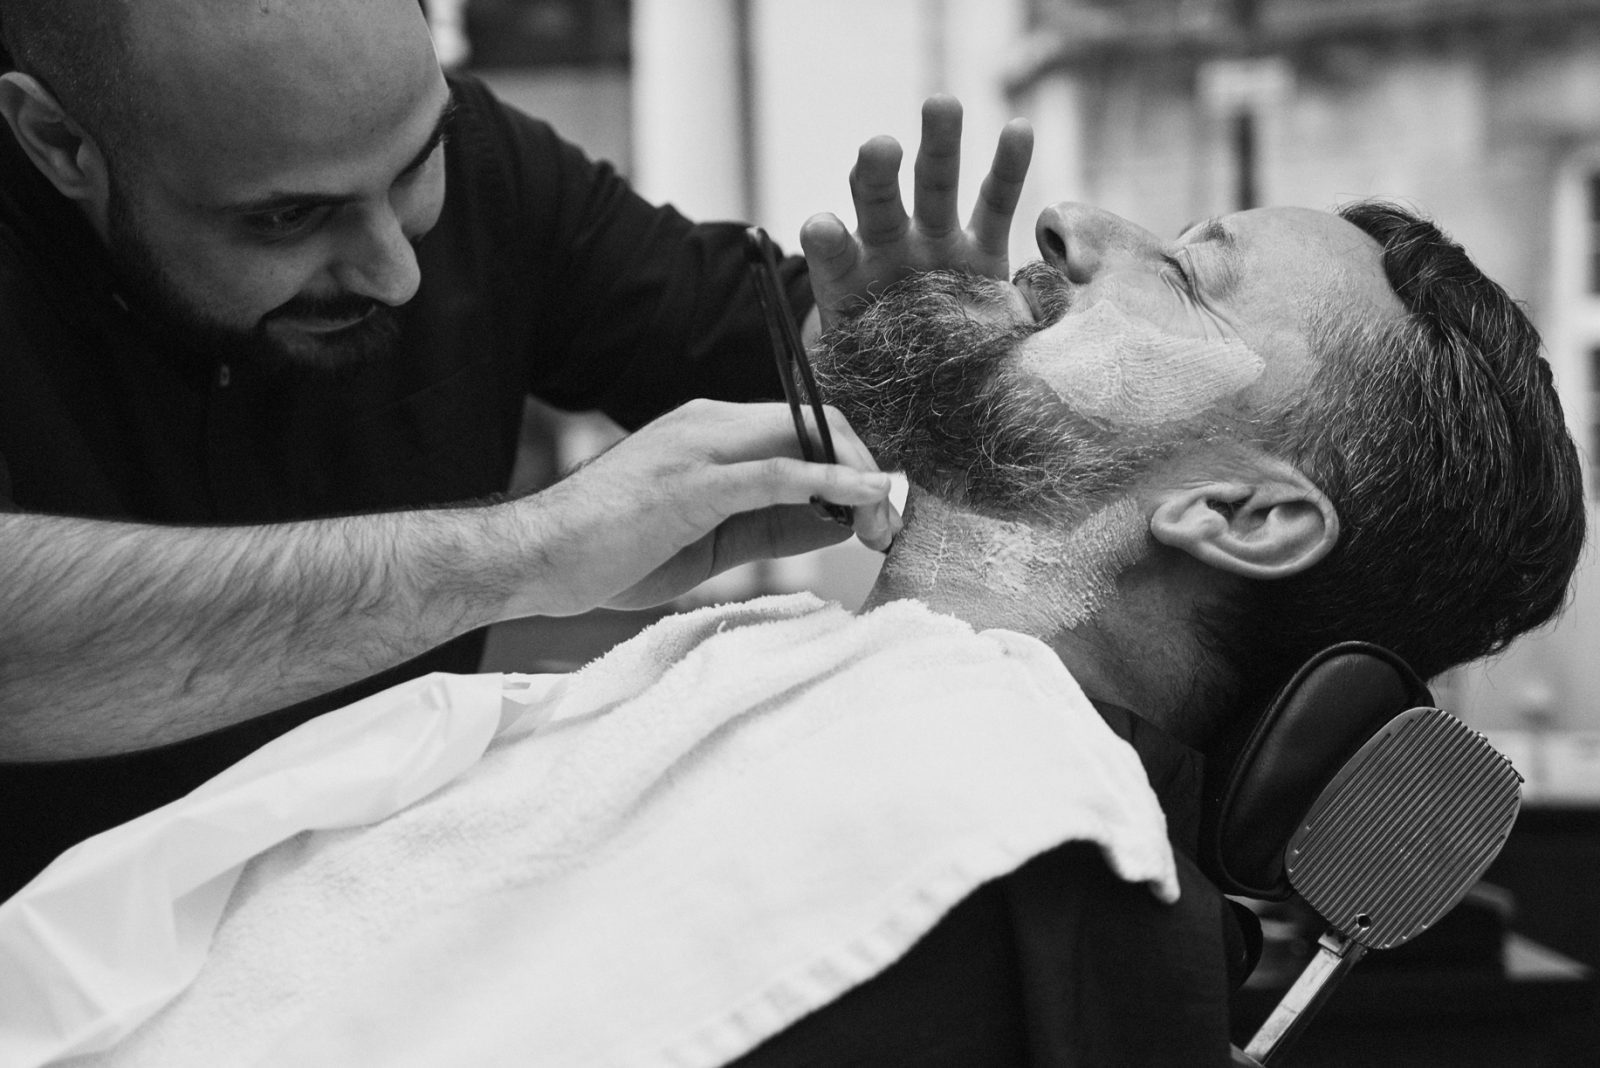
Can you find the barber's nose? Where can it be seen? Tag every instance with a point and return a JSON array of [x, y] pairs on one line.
[[380, 261], [1080, 240]]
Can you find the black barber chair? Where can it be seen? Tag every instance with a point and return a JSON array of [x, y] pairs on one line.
[[1351, 790]]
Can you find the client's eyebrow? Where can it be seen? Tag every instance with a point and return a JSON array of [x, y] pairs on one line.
[[1212, 230], [278, 200]]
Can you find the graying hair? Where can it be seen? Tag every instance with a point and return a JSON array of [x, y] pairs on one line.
[[1441, 442]]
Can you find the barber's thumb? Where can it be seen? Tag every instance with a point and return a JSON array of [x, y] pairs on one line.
[[843, 484], [877, 525]]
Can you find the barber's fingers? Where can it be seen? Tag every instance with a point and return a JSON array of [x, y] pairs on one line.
[[755, 484], [937, 174], [782, 530], [752, 461], [751, 484], [744, 480], [779, 530], [1001, 189], [732, 432], [875, 190], [878, 523]]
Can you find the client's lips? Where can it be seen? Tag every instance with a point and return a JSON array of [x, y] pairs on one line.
[[1035, 311]]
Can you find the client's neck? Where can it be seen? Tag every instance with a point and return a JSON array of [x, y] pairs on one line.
[[1069, 587], [1002, 573]]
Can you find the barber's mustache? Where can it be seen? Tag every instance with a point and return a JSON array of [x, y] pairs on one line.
[[340, 306]]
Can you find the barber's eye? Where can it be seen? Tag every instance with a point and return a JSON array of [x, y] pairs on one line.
[[283, 223]]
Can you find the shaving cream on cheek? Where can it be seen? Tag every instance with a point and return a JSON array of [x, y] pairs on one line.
[[1106, 365]]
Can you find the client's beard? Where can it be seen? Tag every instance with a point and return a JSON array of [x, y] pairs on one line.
[[931, 390]]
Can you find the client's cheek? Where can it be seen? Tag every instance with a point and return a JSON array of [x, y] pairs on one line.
[[1109, 367]]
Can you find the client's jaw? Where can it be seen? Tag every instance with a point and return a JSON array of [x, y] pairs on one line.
[[1066, 585], [1024, 576], [1110, 601]]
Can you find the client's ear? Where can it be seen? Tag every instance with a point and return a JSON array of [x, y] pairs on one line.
[[1268, 522]]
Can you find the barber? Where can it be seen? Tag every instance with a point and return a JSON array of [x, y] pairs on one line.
[[272, 291]]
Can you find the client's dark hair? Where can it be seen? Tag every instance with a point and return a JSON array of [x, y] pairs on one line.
[[80, 51], [1441, 443]]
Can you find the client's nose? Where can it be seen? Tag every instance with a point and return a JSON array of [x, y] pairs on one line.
[[1077, 239]]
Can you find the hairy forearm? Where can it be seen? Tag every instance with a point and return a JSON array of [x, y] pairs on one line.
[[116, 636], [119, 636]]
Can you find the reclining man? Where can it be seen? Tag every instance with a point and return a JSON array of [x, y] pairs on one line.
[[1176, 468]]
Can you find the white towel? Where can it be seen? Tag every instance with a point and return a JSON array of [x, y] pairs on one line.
[[122, 922], [719, 827]]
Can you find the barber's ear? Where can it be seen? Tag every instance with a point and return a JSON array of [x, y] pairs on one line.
[[53, 140], [1268, 523]]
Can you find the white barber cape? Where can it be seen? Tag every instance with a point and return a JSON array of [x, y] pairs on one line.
[[662, 859]]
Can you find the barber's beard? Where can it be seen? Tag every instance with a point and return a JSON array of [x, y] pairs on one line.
[[151, 290], [931, 389]]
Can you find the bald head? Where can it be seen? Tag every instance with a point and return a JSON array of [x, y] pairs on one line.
[[259, 171], [291, 74], [215, 73], [79, 50]]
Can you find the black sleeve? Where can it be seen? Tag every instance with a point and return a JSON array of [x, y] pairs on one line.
[[6, 504], [631, 308], [1059, 964]]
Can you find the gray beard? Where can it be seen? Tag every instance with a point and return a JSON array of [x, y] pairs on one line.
[[931, 391]]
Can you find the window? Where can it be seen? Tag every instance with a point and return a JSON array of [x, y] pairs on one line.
[[1592, 215], [1593, 441], [1569, 313], [547, 33]]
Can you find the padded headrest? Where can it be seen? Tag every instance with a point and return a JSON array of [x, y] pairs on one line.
[[1264, 773]]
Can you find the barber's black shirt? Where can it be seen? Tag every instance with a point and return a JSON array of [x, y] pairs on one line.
[[545, 275]]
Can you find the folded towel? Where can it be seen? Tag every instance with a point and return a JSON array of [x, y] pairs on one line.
[[716, 828], [122, 922]]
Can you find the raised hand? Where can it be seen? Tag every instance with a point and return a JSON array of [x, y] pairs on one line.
[[847, 268]]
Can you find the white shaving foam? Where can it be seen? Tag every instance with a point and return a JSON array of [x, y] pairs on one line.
[[998, 573], [1106, 365]]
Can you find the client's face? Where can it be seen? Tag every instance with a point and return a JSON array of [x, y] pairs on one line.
[[1050, 393]]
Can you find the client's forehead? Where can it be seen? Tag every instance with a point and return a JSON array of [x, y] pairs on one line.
[[1296, 263], [1290, 249]]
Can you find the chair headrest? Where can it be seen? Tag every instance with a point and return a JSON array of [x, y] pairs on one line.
[[1264, 773]]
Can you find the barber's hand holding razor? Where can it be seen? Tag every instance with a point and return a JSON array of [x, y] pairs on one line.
[[701, 489], [262, 616], [888, 244]]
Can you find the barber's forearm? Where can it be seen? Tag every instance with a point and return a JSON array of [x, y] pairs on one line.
[[116, 636]]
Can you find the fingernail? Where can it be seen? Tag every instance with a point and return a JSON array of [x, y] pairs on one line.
[[876, 481]]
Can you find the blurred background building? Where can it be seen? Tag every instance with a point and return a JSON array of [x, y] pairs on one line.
[[1482, 113]]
